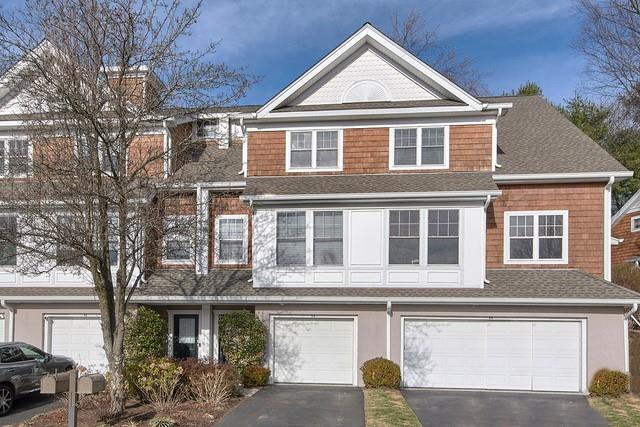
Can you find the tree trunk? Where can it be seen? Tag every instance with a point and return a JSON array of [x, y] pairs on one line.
[[117, 389]]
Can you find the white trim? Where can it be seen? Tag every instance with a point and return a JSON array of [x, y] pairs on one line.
[[202, 230], [555, 177], [625, 329], [170, 325], [607, 228], [271, 344], [418, 165], [634, 229], [314, 152], [433, 195], [629, 207], [245, 239], [536, 239]]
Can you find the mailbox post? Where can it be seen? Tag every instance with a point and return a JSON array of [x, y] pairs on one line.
[[68, 382]]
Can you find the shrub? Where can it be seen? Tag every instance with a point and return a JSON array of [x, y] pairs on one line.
[[609, 383], [145, 336], [158, 382], [243, 339], [162, 422], [208, 382], [255, 376], [380, 372]]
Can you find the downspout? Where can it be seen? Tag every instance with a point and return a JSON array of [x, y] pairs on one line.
[[484, 263], [167, 145], [607, 228], [627, 315], [12, 318], [388, 330]]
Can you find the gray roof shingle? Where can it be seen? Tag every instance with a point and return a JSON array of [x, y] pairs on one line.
[[213, 164]]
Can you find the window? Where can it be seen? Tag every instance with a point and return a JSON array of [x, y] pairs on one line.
[[66, 254], [11, 354], [635, 223], [419, 148], [443, 237], [291, 239], [14, 157], [107, 158], [536, 237], [314, 150], [8, 234], [30, 352], [327, 238], [232, 239], [178, 239], [404, 237], [207, 128]]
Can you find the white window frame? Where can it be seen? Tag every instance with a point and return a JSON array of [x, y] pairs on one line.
[[536, 239], [634, 229], [101, 153], [418, 165], [6, 173], [314, 151], [190, 238], [9, 267], [311, 250], [245, 240]]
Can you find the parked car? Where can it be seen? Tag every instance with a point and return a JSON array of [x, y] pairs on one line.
[[21, 366]]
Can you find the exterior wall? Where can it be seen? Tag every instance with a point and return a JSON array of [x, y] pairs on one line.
[[583, 201], [630, 247], [181, 145], [180, 204], [366, 150], [227, 205], [147, 152]]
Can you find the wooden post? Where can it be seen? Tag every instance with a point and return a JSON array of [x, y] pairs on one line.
[[73, 397]]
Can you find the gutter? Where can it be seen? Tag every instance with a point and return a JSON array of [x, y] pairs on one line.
[[432, 195], [555, 177], [625, 326], [12, 318]]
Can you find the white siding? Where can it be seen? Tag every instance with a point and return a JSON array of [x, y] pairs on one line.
[[366, 237]]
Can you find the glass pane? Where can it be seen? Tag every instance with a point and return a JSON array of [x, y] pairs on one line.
[[550, 248], [404, 223], [18, 157], [521, 248], [432, 155], [327, 140], [231, 228], [187, 329], [433, 137], [550, 225], [31, 353], [301, 159], [442, 250], [291, 225], [231, 251], [178, 250], [404, 156], [443, 223], [327, 158], [521, 226], [327, 252], [405, 142], [405, 137], [404, 251], [291, 252], [301, 140]]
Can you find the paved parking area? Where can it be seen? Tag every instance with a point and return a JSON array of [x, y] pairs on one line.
[[28, 407], [303, 405], [493, 409]]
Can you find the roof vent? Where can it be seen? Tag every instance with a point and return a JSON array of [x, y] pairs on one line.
[[365, 91]]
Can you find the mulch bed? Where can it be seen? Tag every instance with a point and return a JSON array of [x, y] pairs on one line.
[[187, 414]]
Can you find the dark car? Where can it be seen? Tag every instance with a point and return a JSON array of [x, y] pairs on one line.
[[21, 366]]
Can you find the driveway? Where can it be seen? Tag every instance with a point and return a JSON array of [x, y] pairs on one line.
[[293, 405], [28, 407], [479, 408]]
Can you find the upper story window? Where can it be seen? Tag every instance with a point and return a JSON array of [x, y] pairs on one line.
[[291, 238], [66, 254], [178, 239], [106, 156], [8, 234], [536, 237], [443, 236], [14, 157], [206, 128], [635, 223], [327, 238], [314, 150], [419, 148], [231, 239], [404, 237]]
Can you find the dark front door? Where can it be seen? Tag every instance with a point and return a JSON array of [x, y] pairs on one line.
[[185, 336]]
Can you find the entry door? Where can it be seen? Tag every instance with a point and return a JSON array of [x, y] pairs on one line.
[[185, 336]]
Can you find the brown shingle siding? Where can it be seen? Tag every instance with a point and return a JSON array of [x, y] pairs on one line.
[[630, 247], [227, 205]]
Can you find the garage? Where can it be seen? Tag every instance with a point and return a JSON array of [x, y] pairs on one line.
[[494, 354], [314, 350], [79, 337]]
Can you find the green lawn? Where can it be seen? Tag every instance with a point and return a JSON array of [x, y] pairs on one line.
[[619, 412], [387, 408]]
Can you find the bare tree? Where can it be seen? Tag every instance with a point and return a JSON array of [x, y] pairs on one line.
[[610, 40], [413, 34], [95, 81]]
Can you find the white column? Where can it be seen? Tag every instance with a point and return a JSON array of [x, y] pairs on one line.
[[202, 231], [607, 228], [204, 339]]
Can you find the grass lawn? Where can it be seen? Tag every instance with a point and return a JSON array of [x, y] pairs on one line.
[[387, 408], [619, 412]]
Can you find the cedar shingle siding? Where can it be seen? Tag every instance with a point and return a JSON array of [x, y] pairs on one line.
[[630, 247]]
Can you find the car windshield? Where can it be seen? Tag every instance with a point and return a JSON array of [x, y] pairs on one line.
[[30, 352], [10, 354]]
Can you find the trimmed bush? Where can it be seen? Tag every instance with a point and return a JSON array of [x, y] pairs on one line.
[[146, 335], [243, 339], [209, 382], [158, 382], [609, 383], [380, 372], [255, 376]]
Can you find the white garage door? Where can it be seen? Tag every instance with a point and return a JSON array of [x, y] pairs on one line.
[[492, 354], [79, 338], [315, 351]]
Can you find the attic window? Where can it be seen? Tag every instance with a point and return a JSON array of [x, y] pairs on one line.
[[365, 91], [206, 128], [635, 223]]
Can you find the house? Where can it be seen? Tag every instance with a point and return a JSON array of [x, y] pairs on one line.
[[374, 208], [625, 230]]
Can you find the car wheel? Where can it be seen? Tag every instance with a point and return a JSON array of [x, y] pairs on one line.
[[6, 399]]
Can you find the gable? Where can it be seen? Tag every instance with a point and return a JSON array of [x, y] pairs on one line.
[[367, 75]]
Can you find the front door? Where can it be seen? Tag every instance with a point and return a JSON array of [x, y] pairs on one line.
[[185, 336]]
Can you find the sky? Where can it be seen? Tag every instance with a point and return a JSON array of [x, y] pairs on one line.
[[508, 41]]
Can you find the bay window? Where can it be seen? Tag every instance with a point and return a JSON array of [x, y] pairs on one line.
[[291, 239], [327, 238], [443, 237], [536, 237], [419, 148], [318, 149]]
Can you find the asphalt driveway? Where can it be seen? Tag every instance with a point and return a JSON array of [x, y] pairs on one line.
[[28, 407], [299, 405], [493, 409]]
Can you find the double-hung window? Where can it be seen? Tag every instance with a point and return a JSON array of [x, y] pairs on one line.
[[231, 233], [14, 157], [404, 237], [536, 237], [310, 150], [635, 223], [327, 238], [207, 129], [8, 235], [419, 148], [443, 236], [178, 239], [66, 253], [291, 238]]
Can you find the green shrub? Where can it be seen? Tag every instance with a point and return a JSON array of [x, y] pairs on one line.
[[380, 372], [609, 383], [243, 339], [162, 422], [210, 383], [158, 382], [146, 335], [255, 376]]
